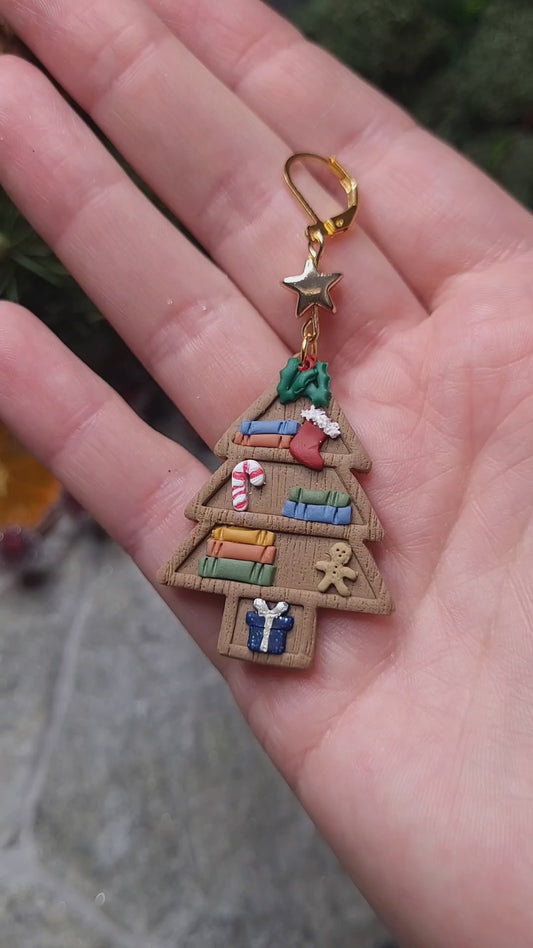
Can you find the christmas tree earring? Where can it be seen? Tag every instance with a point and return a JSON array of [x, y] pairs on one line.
[[282, 523]]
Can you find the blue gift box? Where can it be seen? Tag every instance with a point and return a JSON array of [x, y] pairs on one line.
[[277, 637]]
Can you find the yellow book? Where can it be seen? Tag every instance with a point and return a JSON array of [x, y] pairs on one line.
[[244, 535]]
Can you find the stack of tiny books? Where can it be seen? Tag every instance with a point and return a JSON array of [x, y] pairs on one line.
[[246, 556]]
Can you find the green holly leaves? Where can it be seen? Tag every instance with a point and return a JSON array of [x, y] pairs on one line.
[[311, 383]]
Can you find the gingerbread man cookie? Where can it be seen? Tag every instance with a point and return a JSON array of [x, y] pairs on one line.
[[335, 569]]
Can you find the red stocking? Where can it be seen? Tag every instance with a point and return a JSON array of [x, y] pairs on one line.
[[305, 446]]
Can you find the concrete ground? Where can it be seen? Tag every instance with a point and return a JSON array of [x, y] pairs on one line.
[[136, 810]]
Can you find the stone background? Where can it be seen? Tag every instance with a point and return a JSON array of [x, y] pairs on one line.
[[136, 810]]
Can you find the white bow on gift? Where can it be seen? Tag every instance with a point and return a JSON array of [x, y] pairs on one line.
[[262, 609]]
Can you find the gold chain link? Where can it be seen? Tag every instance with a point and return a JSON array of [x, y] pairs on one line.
[[311, 329], [310, 334]]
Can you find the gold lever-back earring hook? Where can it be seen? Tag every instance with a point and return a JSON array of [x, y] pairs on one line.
[[339, 222]]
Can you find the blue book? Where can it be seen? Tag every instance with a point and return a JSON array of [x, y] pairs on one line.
[[286, 426], [318, 513]]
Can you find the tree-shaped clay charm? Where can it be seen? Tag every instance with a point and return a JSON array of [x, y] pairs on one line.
[[295, 541]]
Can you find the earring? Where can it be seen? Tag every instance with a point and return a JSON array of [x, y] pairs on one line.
[[282, 524]]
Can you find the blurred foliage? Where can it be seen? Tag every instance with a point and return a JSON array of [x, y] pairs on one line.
[[30, 274], [463, 67]]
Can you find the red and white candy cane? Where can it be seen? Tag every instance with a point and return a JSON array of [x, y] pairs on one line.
[[238, 481]]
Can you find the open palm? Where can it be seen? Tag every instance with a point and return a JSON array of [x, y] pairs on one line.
[[411, 740]]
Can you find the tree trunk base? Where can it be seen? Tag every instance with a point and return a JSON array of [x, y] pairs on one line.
[[234, 638]]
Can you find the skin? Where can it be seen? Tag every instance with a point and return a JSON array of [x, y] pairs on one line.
[[410, 742]]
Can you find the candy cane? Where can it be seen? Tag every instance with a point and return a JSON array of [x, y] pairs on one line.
[[238, 481]]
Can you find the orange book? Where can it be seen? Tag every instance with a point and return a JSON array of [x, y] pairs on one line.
[[262, 440], [241, 551]]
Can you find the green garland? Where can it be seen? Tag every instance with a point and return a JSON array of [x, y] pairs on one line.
[[311, 383]]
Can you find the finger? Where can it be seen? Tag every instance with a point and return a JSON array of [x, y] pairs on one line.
[[136, 80], [73, 199], [185, 319], [136, 483], [131, 479], [432, 212]]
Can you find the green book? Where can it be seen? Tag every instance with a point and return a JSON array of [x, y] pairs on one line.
[[241, 571], [330, 498]]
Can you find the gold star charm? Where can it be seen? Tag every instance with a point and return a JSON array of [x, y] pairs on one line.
[[313, 287]]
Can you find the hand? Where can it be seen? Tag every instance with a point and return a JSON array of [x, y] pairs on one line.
[[411, 741]]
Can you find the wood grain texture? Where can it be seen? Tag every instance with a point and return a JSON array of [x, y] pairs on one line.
[[300, 545], [268, 404]]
